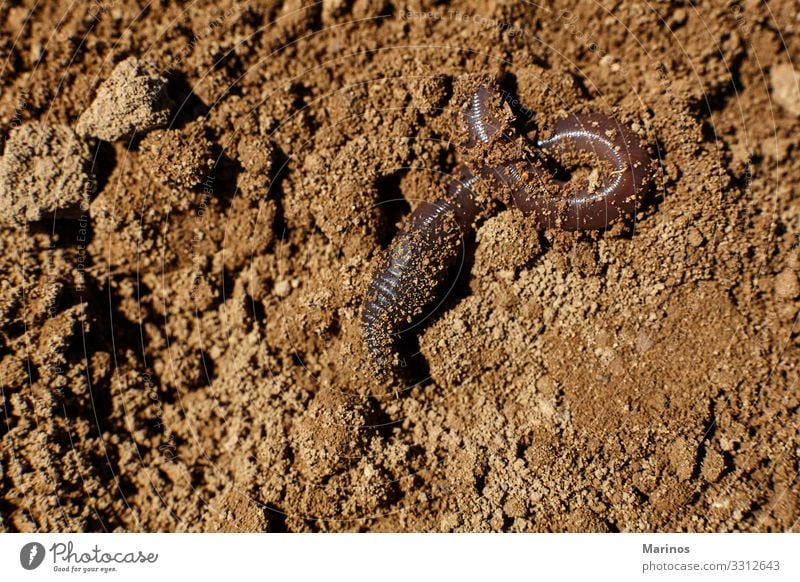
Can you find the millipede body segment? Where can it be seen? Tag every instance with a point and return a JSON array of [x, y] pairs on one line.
[[430, 241], [419, 258]]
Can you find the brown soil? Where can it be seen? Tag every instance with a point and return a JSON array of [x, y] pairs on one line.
[[186, 353]]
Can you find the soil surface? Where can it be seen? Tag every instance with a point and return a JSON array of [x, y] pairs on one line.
[[181, 346]]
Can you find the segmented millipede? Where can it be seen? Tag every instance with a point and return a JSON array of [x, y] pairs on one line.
[[480, 122], [428, 244], [418, 260]]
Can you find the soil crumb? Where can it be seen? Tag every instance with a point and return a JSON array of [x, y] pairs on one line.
[[44, 171], [133, 99]]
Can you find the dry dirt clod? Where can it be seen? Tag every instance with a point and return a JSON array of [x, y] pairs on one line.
[[505, 242], [177, 158], [785, 91], [132, 100], [44, 171], [256, 154]]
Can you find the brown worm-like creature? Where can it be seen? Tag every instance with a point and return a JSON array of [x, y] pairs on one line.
[[417, 262], [429, 243]]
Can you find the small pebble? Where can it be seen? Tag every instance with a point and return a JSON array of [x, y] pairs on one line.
[[694, 237], [784, 80], [643, 342], [786, 284]]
